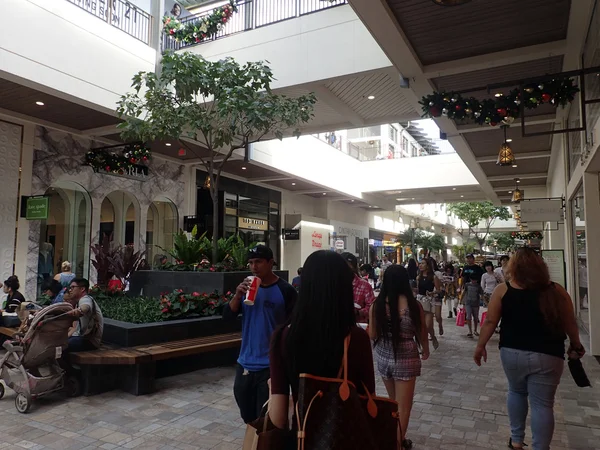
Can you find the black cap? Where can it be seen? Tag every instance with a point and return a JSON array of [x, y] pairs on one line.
[[350, 258], [260, 251], [470, 255]]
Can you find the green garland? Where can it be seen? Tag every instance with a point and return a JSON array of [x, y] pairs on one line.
[[502, 109], [201, 29], [527, 236], [103, 160]]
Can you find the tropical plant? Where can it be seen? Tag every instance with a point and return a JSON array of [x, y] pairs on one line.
[[431, 242], [479, 217], [502, 242], [461, 251], [177, 304], [125, 261], [189, 252], [222, 105], [104, 252]]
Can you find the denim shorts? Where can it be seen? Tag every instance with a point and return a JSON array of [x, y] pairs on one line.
[[472, 312]]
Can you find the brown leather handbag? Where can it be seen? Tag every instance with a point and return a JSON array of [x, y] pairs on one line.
[[331, 415]]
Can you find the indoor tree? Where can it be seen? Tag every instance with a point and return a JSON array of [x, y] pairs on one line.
[[430, 242], [503, 242], [479, 217], [222, 105]]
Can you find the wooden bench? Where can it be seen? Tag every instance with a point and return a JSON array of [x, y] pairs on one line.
[[133, 369], [9, 332]]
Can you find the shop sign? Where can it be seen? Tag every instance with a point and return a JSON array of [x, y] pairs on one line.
[[555, 260], [376, 242], [252, 224], [542, 210], [135, 172], [339, 244], [290, 234], [390, 243], [317, 239], [37, 208]]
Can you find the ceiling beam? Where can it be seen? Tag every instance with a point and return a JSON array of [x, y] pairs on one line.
[[521, 176], [328, 97], [509, 188], [312, 191], [518, 156], [269, 179], [538, 120], [101, 131], [496, 59]]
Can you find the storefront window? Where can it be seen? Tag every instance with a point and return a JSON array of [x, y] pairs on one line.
[[580, 255], [161, 228], [118, 218], [65, 235]]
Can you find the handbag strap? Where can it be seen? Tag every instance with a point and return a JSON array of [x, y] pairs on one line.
[[345, 387]]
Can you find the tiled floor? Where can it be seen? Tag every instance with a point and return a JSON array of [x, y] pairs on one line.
[[457, 406]]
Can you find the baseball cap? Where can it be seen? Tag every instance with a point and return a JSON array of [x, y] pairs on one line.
[[470, 255], [260, 251], [350, 258]]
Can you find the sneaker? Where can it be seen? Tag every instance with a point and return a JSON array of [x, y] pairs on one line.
[[450, 315]]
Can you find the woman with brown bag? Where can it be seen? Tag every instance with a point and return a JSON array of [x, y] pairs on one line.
[[314, 340]]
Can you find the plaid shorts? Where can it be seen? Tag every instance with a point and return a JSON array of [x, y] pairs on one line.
[[405, 366]]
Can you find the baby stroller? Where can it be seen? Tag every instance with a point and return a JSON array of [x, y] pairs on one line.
[[30, 366]]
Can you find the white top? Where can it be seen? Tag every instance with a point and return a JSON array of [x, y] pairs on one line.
[[583, 281], [499, 272], [489, 281]]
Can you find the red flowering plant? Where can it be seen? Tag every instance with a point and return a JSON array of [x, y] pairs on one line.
[[178, 305]]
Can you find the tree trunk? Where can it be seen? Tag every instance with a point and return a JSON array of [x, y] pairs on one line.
[[215, 235]]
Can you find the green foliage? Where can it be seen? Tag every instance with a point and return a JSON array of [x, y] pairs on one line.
[[189, 252], [205, 27], [479, 217], [461, 251], [503, 242], [431, 242], [178, 305], [223, 105]]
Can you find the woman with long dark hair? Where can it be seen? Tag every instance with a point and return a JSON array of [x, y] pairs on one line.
[[428, 285], [537, 316], [397, 327], [313, 340], [413, 270]]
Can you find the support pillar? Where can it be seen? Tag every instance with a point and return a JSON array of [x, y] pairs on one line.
[[591, 192]]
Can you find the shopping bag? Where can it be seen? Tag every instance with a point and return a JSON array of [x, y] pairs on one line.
[[461, 317], [483, 316], [263, 435]]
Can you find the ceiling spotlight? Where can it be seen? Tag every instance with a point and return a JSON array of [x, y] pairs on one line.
[[39, 103], [293, 184], [514, 165], [510, 192], [509, 140], [453, 189], [370, 206], [505, 156], [351, 201], [243, 167], [499, 94], [517, 180], [168, 144], [371, 97], [462, 196], [324, 193], [413, 198]]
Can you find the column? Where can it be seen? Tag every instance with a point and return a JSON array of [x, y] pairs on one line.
[[591, 194], [23, 224]]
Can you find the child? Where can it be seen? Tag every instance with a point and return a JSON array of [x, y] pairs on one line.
[[489, 281], [471, 298]]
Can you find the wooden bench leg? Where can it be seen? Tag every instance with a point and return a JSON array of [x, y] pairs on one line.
[[138, 379], [97, 379]]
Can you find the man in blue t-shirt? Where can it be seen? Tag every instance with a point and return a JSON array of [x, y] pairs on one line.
[[272, 307]]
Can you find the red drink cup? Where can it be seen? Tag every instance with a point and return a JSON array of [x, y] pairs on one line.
[[252, 290]]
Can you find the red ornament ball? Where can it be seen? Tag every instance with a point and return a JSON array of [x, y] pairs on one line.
[[546, 97], [145, 158], [435, 111], [132, 160], [458, 107], [493, 124], [502, 111], [107, 168]]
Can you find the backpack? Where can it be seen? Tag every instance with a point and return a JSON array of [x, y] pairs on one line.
[[332, 415]]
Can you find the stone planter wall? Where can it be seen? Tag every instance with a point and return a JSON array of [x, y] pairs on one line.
[[126, 334], [154, 282]]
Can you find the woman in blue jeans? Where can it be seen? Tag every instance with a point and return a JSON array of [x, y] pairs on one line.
[[537, 316]]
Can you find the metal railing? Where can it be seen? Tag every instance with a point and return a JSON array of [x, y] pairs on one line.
[[252, 14], [120, 14]]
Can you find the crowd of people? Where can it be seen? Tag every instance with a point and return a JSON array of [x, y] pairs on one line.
[[288, 332]]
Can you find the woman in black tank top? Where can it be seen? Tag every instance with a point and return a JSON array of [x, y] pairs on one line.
[[537, 316]]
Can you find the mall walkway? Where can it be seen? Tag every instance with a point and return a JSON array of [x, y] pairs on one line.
[[458, 407]]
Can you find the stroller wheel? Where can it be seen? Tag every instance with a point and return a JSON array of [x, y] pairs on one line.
[[22, 403], [72, 386], [1, 390]]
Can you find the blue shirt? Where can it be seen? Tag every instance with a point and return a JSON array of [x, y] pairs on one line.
[[272, 307], [296, 282]]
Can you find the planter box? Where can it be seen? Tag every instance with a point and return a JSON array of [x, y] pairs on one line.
[[126, 334], [154, 282]]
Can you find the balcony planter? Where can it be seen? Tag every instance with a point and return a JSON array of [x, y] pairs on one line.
[[126, 334], [154, 282]]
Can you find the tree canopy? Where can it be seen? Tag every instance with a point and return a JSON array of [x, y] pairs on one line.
[[222, 106], [479, 217]]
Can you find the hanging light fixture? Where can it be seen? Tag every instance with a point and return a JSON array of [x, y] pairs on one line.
[[206, 184], [505, 156], [450, 2], [518, 194]]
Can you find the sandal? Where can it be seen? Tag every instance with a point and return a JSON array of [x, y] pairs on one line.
[[436, 344], [510, 445], [407, 444], [441, 329], [470, 335], [476, 333]]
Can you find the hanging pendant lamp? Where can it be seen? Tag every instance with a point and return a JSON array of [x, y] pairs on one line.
[[505, 155], [518, 194]]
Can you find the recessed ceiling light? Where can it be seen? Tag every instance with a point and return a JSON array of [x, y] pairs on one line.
[[324, 193], [509, 140], [371, 97], [168, 144], [510, 192], [518, 181], [39, 103], [293, 184], [413, 198], [462, 196], [453, 189], [514, 165], [243, 167], [399, 199], [370, 206], [351, 201], [499, 94]]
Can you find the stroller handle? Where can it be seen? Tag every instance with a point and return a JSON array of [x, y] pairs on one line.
[[50, 319]]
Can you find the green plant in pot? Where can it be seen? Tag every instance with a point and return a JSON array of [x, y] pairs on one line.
[[188, 252]]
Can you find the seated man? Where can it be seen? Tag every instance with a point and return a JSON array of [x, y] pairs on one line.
[[86, 333]]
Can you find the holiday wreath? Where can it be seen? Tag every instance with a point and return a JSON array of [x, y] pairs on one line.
[[527, 236], [104, 160], [201, 28], [502, 109]]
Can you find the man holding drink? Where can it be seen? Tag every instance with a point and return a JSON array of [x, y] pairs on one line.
[[265, 301]]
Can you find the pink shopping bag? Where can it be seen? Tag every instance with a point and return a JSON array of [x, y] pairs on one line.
[[483, 316], [461, 317]]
